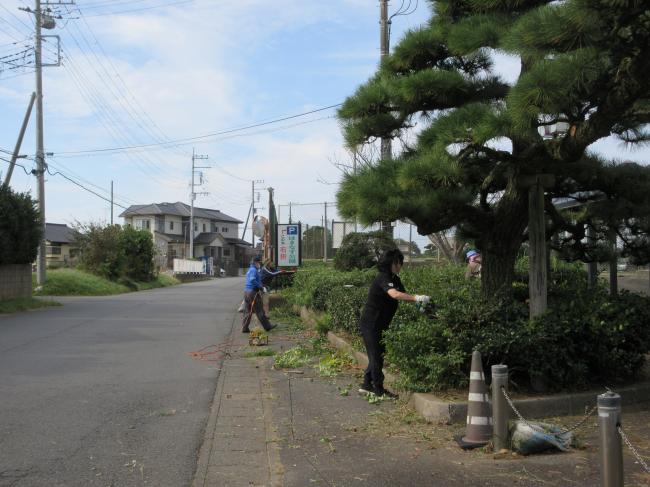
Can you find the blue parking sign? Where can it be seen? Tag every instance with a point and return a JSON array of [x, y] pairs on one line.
[[292, 230]]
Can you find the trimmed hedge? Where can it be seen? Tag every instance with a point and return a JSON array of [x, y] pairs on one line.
[[587, 337]]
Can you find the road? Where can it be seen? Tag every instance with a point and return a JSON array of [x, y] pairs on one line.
[[102, 391]]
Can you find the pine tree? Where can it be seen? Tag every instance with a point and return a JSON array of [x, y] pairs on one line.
[[583, 62]]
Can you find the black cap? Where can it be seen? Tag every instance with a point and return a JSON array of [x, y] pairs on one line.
[[257, 258]]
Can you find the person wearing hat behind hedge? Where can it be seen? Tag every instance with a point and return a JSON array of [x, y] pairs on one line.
[[473, 270], [253, 290], [385, 292]]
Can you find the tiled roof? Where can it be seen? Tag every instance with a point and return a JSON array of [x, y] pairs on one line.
[[59, 233], [177, 209]]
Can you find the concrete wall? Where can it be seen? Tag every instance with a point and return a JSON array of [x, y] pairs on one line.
[[15, 281]]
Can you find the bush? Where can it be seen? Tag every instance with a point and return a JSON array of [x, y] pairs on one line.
[[121, 254], [586, 338], [312, 284], [20, 230], [138, 249], [362, 250]]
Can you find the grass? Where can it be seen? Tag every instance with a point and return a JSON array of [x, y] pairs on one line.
[[23, 304], [75, 282], [262, 352]]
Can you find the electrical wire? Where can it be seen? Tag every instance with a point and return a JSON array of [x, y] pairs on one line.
[[104, 14], [28, 172], [59, 173], [205, 136], [106, 79]]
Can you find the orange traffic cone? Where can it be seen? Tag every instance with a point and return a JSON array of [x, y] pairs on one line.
[[479, 419]]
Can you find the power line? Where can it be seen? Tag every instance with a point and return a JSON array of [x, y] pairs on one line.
[[179, 2], [199, 137], [129, 136], [59, 173], [28, 172]]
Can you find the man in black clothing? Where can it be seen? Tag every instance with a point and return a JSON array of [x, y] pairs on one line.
[[385, 292]]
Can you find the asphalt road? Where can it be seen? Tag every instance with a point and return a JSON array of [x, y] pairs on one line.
[[102, 391]]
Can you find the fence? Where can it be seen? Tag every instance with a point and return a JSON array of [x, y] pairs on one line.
[[316, 216], [611, 432], [186, 266]]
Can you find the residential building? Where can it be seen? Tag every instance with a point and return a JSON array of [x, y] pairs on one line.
[[215, 233], [59, 245]]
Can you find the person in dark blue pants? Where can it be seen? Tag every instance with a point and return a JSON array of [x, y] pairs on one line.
[[253, 290]]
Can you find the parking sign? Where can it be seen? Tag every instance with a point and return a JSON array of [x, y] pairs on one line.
[[288, 245]]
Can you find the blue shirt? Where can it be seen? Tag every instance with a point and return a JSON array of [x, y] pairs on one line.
[[253, 279]]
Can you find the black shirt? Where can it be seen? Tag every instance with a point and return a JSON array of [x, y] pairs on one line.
[[380, 307]]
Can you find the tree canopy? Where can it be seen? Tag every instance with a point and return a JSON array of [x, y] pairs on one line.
[[471, 139]]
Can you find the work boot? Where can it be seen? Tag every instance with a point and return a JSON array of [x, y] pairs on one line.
[[245, 330], [271, 327]]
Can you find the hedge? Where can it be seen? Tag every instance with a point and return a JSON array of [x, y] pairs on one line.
[[586, 338], [20, 230]]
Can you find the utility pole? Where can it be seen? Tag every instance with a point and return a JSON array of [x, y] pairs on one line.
[[195, 158], [40, 152], [41, 21], [386, 145], [19, 142], [325, 232], [111, 202]]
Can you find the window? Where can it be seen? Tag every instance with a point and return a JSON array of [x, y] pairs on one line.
[[53, 250], [224, 229], [143, 224], [226, 252], [171, 225], [204, 227], [196, 227]]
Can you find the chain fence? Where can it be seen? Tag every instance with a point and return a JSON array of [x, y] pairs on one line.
[[634, 451], [541, 430]]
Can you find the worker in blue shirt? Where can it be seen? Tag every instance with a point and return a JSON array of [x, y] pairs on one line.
[[253, 297]]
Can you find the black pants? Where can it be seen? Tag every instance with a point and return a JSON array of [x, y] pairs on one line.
[[375, 350], [253, 303]]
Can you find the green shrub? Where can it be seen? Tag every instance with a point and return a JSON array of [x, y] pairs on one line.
[[586, 338], [121, 254], [138, 249], [362, 250], [20, 230]]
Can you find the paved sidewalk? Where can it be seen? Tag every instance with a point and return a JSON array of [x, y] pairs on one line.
[[293, 428], [239, 447]]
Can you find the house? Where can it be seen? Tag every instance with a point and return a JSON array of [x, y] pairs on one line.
[[59, 241], [215, 233]]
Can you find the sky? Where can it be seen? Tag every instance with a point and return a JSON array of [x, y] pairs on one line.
[[142, 72]]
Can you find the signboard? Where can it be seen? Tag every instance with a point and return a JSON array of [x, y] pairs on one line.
[[288, 250]]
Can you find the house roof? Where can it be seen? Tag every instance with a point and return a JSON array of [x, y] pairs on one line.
[[238, 241], [59, 233], [177, 209], [207, 238]]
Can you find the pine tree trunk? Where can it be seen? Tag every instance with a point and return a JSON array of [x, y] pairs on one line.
[[499, 247], [497, 273]]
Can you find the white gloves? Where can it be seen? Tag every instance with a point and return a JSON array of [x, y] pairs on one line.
[[420, 298], [265, 290]]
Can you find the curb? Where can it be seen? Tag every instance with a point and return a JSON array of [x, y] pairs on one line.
[[437, 410]]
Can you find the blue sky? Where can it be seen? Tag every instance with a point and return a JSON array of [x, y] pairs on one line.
[[196, 68]]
